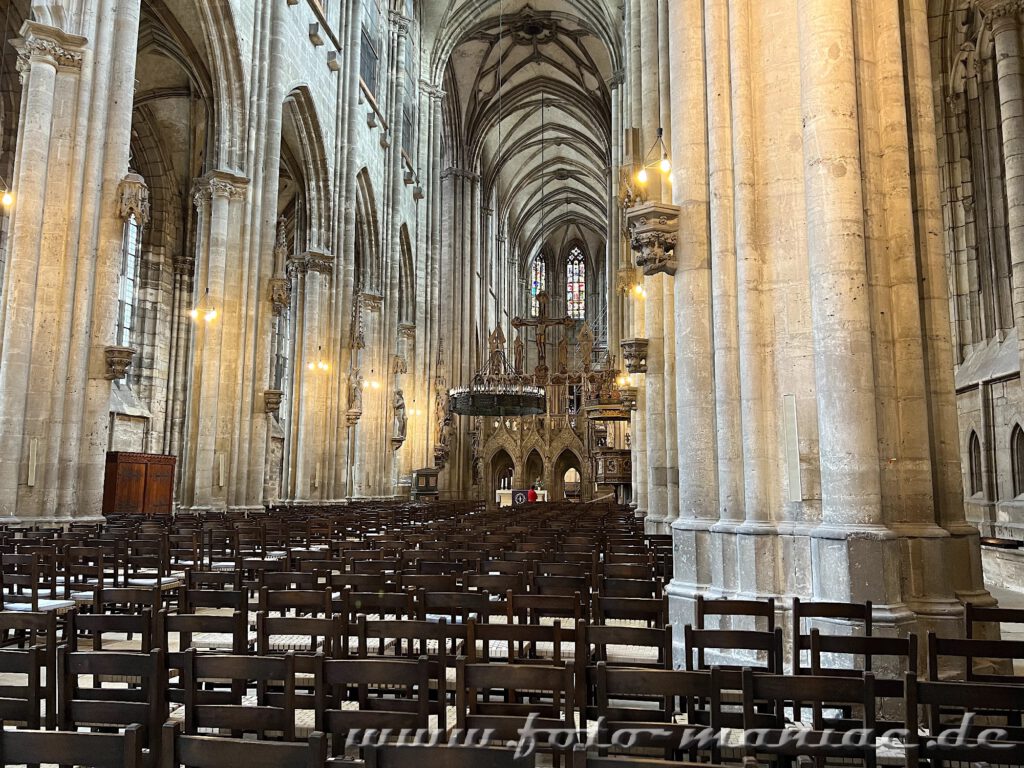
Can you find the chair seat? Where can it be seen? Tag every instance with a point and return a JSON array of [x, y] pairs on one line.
[[631, 654], [219, 641], [164, 582], [547, 650], [298, 643], [45, 606]]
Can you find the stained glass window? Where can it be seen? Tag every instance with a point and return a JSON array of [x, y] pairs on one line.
[[576, 285], [538, 283]]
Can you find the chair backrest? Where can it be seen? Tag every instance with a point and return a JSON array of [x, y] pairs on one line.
[[389, 694], [858, 616], [19, 702], [89, 750], [739, 647], [210, 702], [965, 655], [217, 752], [975, 614], [889, 658], [105, 701], [950, 709], [732, 609], [630, 699]]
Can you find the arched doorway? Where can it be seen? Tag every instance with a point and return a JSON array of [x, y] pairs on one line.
[[503, 469], [534, 469], [568, 478]]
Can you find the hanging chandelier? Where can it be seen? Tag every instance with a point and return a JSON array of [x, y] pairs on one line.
[[497, 390]]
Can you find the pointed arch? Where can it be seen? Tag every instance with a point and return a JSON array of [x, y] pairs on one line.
[[1017, 459], [302, 129], [974, 472], [367, 266], [406, 280]]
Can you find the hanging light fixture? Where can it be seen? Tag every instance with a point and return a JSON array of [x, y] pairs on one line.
[[320, 364], [656, 157], [204, 309]]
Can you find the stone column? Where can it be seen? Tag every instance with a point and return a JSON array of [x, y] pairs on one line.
[[694, 351], [1003, 17]]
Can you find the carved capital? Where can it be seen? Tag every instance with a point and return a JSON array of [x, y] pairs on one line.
[[1000, 13], [401, 23], [399, 366], [118, 360], [436, 93], [134, 198], [654, 229], [272, 400], [372, 301], [221, 184], [296, 266], [43, 43], [407, 331], [184, 265], [320, 262], [280, 289], [634, 355]]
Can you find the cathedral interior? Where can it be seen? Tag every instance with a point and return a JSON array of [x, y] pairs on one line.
[[747, 273]]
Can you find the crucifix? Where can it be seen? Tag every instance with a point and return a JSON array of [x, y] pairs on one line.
[[542, 322]]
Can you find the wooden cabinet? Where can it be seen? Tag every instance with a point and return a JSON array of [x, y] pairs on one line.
[[138, 484]]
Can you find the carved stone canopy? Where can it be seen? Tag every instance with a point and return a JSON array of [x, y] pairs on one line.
[[134, 198], [634, 355], [118, 360], [280, 294], [653, 231]]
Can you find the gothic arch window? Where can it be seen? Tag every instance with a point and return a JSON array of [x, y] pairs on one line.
[[974, 465], [1017, 459], [128, 280], [538, 283], [576, 284]]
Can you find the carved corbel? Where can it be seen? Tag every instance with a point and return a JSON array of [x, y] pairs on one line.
[[653, 229]]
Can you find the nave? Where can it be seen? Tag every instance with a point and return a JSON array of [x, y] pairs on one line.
[[331, 635]]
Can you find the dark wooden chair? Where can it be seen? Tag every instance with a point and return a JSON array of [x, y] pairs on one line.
[[217, 694], [218, 752], [856, 616], [540, 695], [975, 660], [648, 700], [738, 648], [765, 701], [104, 702], [950, 710], [27, 629], [88, 750], [980, 620], [20, 702], [387, 694]]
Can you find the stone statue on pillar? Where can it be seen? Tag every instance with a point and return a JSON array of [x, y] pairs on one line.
[[401, 421], [517, 355]]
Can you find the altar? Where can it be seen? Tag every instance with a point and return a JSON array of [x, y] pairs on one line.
[[507, 497]]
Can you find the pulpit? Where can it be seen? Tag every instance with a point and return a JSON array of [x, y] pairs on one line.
[[138, 484]]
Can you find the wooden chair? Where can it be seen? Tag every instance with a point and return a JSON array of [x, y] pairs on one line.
[[105, 703], [728, 609], [965, 655], [635, 611], [442, 756], [539, 695], [19, 703], [949, 709], [217, 694], [858, 615], [88, 750], [125, 627], [370, 696], [657, 696], [580, 759], [975, 615], [218, 752], [26, 630], [818, 741], [742, 647]]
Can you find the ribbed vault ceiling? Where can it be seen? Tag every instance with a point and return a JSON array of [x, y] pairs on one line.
[[529, 106]]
